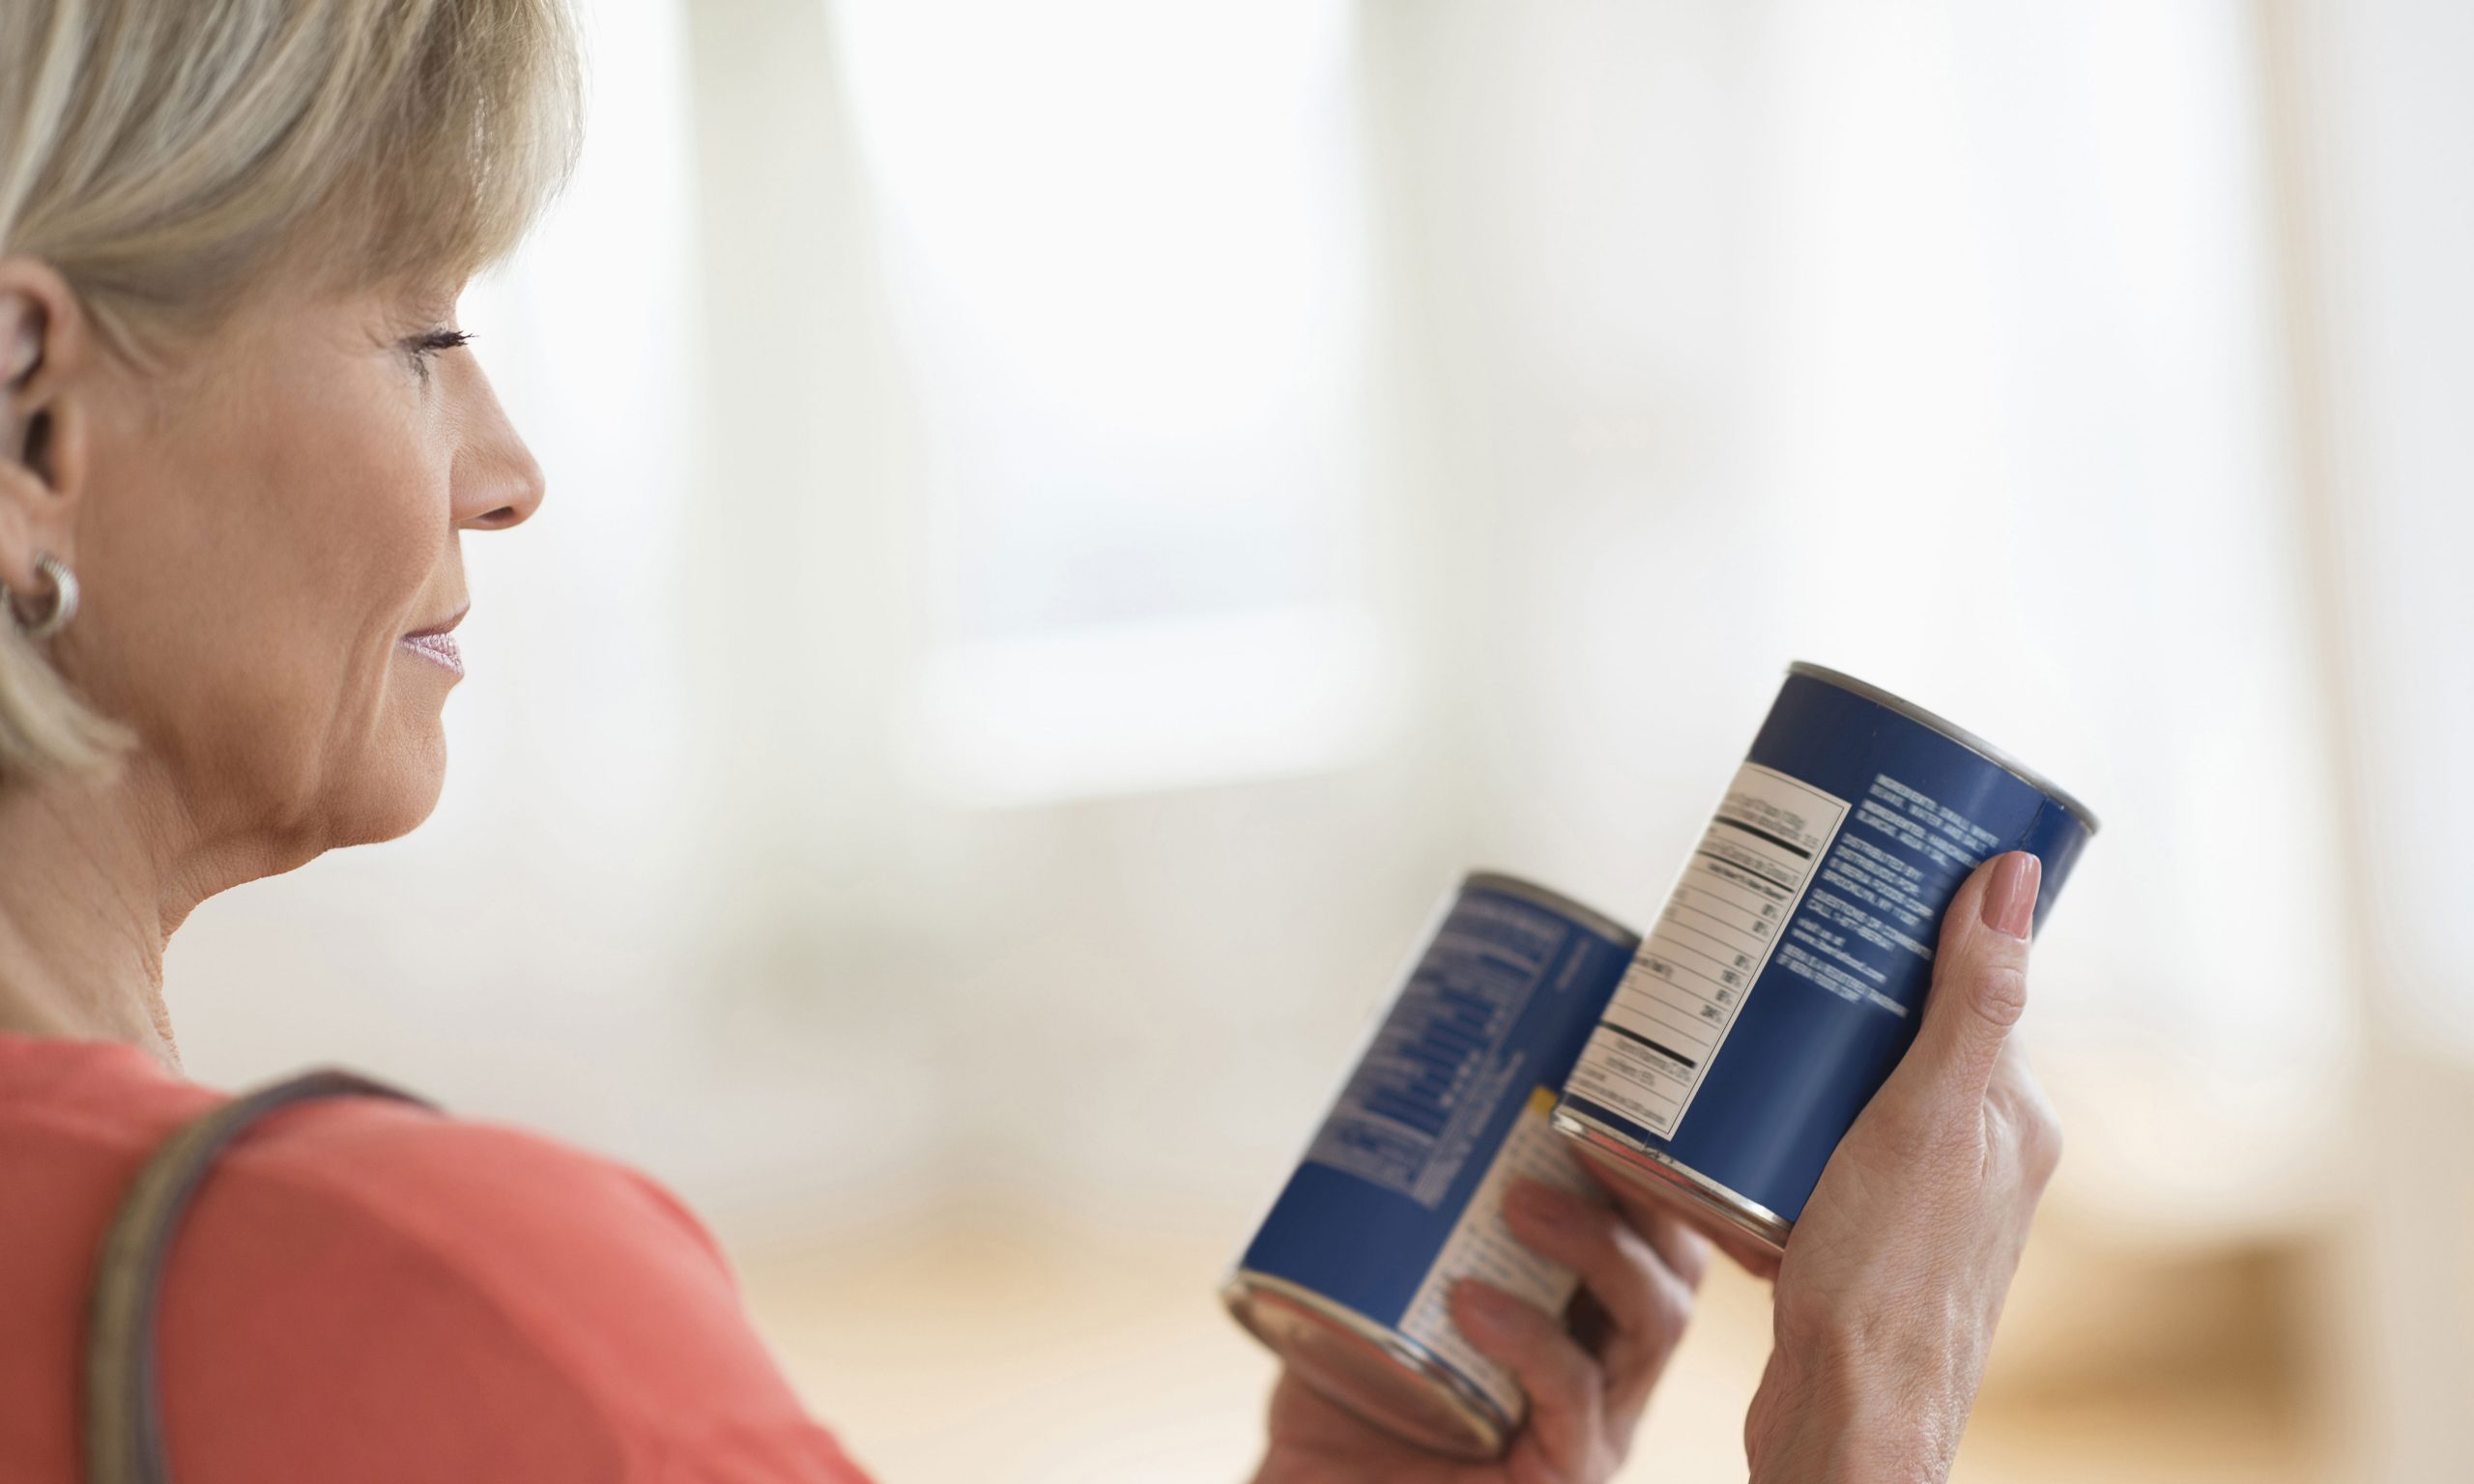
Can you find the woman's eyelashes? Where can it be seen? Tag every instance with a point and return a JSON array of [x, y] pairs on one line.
[[426, 347]]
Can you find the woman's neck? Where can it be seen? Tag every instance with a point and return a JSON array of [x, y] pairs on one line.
[[88, 898]]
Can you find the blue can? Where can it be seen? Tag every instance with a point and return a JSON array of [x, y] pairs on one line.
[[1401, 1194], [1787, 975]]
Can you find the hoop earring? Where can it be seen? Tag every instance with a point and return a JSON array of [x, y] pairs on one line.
[[63, 600]]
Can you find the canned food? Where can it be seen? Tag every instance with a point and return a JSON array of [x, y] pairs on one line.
[[1401, 1194], [1787, 975]]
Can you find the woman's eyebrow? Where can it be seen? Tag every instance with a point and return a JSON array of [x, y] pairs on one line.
[[428, 303]]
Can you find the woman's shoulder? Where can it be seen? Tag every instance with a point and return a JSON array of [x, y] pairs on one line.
[[471, 1192], [491, 1199], [446, 1278]]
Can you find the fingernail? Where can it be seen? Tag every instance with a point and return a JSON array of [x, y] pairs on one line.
[[2011, 896]]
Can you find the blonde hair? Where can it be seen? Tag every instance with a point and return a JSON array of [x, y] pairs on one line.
[[172, 158]]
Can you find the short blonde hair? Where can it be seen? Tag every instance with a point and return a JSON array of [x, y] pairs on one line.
[[170, 157]]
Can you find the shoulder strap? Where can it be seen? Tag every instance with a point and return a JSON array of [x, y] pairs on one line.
[[123, 1425]]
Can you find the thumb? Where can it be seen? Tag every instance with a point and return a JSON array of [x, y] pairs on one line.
[[1980, 978]]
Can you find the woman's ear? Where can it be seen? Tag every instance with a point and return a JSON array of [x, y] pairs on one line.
[[23, 342], [43, 353]]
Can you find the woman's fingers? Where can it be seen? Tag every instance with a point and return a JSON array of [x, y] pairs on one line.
[[1565, 1385], [1613, 1262], [1683, 1249], [1979, 980], [1901, 1259], [1646, 1300]]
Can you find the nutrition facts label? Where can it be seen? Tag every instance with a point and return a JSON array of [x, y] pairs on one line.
[[1482, 1246], [1439, 1069], [1721, 926]]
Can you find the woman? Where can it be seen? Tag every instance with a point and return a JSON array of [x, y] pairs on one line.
[[239, 449]]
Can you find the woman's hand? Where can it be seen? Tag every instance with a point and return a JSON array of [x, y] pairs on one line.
[[1636, 1263], [1895, 1275]]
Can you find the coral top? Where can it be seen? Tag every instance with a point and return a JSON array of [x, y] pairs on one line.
[[365, 1290]]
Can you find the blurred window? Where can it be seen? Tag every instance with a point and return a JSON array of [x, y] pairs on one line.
[[1121, 242]]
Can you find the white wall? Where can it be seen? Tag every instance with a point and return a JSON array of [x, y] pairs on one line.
[[2380, 122], [1673, 341], [1939, 344]]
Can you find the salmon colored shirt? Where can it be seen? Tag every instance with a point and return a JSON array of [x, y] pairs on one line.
[[372, 1292]]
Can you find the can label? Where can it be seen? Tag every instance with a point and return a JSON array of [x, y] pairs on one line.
[[1788, 972], [1482, 1246], [1722, 923], [1401, 1193], [1425, 1092]]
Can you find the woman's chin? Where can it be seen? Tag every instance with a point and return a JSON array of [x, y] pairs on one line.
[[397, 791]]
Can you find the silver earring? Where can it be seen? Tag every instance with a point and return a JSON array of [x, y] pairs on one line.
[[63, 600]]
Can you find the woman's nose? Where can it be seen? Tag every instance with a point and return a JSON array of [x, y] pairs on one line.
[[498, 482], [504, 492]]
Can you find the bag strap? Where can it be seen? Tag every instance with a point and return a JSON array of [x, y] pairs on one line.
[[124, 1421]]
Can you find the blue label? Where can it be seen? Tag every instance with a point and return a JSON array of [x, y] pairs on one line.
[[1500, 1004], [1789, 972]]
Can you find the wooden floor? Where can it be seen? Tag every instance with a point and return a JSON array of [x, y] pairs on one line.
[[984, 1347]]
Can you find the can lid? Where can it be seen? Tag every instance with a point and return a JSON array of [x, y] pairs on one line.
[[1950, 730]]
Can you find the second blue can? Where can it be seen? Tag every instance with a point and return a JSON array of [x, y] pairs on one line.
[[1401, 1193], [1787, 975]]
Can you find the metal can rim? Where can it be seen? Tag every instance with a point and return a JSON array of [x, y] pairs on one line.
[[1552, 901], [1995, 756], [1487, 1423], [1748, 1214]]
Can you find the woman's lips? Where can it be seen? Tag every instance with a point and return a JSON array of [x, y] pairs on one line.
[[437, 649]]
